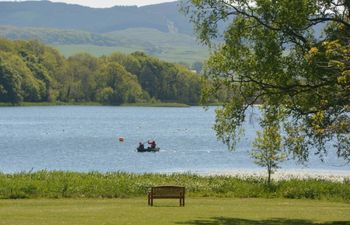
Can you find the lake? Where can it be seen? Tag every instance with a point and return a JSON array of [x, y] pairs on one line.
[[85, 138]]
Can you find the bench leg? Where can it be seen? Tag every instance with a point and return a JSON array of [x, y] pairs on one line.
[[182, 201], [150, 199]]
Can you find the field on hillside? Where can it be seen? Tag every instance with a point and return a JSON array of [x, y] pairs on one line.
[[172, 47], [168, 46], [208, 211], [170, 53]]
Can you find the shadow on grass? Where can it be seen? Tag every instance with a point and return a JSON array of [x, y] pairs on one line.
[[277, 221]]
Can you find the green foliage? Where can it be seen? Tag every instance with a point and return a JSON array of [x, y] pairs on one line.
[[33, 72], [79, 84], [271, 55], [157, 104], [197, 66], [161, 80], [159, 30], [10, 81], [267, 151], [172, 47], [44, 184], [121, 85]]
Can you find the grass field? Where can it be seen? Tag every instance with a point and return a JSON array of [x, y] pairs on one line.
[[206, 211]]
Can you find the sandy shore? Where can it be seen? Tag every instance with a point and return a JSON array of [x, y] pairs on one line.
[[302, 174]]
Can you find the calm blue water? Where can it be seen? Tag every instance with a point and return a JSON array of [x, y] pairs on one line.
[[81, 138]]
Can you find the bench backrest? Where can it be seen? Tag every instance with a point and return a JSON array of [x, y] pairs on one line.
[[168, 191]]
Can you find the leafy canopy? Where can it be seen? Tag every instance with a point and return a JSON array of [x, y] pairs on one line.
[[33, 72], [287, 55]]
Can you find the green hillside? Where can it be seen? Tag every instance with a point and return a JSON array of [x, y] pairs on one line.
[[166, 46], [57, 36], [45, 14], [153, 35], [171, 54], [159, 30], [172, 47]]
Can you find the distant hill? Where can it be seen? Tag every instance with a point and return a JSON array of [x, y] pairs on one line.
[[57, 36], [173, 47], [159, 30], [163, 17]]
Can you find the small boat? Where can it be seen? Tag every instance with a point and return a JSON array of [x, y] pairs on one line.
[[148, 149]]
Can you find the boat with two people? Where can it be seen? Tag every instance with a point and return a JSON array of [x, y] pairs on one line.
[[151, 148]]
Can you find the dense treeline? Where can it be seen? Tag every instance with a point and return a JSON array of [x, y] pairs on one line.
[[33, 72]]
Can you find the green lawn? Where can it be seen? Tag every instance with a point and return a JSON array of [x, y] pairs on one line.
[[208, 211]]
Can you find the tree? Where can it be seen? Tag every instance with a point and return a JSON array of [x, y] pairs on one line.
[[116, 85], [105, 95], [33, 72], [10, 82], [271, 54], [267, 151], [80, 82], [44, 63]]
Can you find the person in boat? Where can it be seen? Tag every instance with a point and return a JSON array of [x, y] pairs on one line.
[[152, 144], [141, 146]]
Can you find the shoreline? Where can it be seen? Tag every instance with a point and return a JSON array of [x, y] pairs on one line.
[[284, 174], [280, 175], [38, 104]]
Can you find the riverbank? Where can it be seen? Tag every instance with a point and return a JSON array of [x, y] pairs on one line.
[[60, 184], [159, 104], [27, 104], [284, 174], [151, 104]]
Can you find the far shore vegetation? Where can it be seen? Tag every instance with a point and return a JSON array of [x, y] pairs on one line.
[[146, 104], [157, 104], [32, 73]]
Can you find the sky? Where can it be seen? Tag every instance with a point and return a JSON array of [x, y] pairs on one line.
[[108, 3]]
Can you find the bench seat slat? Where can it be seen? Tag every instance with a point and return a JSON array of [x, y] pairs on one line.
[[154, 197]]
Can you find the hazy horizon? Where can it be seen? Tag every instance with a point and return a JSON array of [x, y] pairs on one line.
[[102, 3]]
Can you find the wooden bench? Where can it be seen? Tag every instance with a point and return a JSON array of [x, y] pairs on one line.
[[161, 192]]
